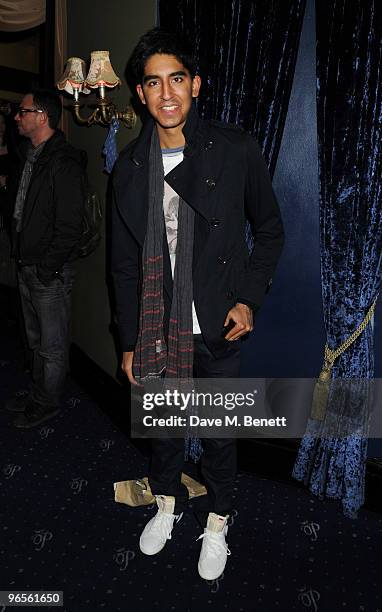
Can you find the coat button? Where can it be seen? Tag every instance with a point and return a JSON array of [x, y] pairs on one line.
[[209, 145], [222, 260], [215, 222], [210, 183]]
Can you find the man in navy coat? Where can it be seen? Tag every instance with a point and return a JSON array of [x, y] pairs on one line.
[[183, 191]]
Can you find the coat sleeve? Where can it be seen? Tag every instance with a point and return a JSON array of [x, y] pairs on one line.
[[263, 213], [125, 266], [68, 201]]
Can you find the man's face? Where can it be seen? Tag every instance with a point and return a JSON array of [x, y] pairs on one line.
[[167, 90], [29, 123]]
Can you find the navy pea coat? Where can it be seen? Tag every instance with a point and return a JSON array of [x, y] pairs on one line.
[[224, 178]]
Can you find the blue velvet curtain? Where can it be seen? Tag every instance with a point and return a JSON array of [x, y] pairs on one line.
[[349, 117], [246, 51]]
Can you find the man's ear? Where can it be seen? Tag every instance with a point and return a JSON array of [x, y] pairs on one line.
[[140, 93], [44, 119], [196, 83]]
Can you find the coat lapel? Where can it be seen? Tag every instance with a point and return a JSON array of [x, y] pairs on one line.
[[131, 184], [131, 191], [132, 180]]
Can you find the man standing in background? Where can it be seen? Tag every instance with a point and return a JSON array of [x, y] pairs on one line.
[[47, 228], [181, 267]]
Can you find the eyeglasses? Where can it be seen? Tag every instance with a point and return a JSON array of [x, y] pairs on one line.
[[23, 111]]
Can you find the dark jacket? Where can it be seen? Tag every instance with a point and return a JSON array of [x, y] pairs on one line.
[[52, 221], [224, 178]]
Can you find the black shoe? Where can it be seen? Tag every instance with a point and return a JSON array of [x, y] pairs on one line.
[[34, 415], [17, 403]]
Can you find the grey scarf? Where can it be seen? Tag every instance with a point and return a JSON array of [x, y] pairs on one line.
[[152, 356], [32, 155]]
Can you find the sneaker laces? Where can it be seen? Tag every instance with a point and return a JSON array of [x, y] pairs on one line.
[[215, 542], [163, 524]]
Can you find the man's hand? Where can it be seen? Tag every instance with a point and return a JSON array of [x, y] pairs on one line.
[[127, 366], [242, 315]]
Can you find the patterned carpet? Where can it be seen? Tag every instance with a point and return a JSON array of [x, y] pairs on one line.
[[61, 529]]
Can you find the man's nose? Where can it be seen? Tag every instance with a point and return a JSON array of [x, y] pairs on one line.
[[166, 91]]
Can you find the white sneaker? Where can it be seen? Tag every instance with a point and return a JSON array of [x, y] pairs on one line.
[[213, 556], [158, 529]]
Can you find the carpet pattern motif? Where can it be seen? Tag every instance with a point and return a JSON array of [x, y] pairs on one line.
[[61, 529]]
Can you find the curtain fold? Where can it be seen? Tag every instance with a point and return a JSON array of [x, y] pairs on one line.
[[61, 38], [349, 116], [18, 15], [246, 51], [60, 51]]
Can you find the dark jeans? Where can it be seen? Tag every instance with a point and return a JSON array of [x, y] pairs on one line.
[[218, 460], [46, 313]]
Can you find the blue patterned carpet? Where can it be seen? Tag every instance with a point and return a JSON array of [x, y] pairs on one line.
[[61, 529]]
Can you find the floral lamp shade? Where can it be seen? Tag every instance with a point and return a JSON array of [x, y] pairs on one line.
[[101, 73], [74, 76]]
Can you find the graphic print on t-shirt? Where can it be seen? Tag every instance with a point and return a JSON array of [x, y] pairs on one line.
[[171, 158], [171, 208]]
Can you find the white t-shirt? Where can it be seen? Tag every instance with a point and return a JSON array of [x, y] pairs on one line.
[[171, 158]]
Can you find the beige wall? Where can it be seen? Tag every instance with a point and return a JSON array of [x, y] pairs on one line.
[[90, 28]]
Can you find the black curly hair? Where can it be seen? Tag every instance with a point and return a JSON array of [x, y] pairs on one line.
[[159, 40]]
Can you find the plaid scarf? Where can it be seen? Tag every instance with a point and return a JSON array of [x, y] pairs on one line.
[[154, 358]]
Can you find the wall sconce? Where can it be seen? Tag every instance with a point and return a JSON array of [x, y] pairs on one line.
[[100, 76]]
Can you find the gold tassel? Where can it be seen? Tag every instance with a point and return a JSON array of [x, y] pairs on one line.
[[321, 394], [321, 389]]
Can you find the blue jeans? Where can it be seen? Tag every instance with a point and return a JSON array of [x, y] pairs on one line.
[[46, 311]]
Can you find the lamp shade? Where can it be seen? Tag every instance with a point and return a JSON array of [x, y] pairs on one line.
[[101, 72], [73, 77]]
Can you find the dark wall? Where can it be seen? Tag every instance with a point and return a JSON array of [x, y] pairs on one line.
[[289, 334], [91, 26]]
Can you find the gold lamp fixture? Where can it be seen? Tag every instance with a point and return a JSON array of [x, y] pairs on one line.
[[100, 76]]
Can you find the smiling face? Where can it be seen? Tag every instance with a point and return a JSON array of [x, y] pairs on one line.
[[167, 91]]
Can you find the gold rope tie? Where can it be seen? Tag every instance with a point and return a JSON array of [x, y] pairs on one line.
[[321, 389]]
